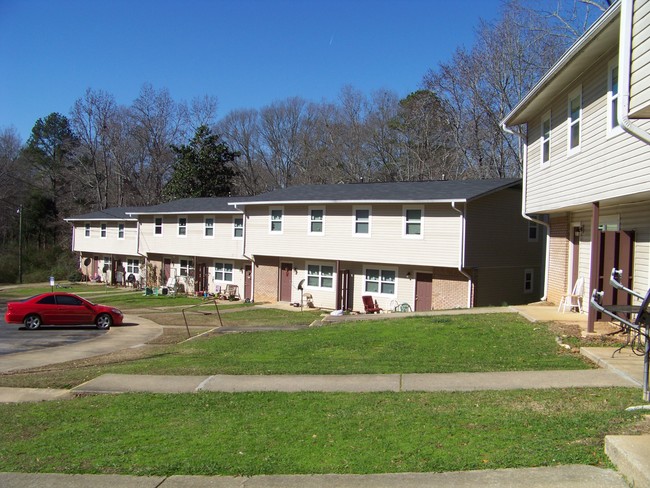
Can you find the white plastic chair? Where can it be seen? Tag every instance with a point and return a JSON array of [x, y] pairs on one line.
[[573, 299]]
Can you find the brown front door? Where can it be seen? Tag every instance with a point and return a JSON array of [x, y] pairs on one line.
[[616, 251], [423, 291], [286, 271], [248, 282]]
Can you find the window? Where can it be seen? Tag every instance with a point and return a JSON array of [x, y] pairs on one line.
[[238, 227], [223, 271], [413, 221], [208, 228], [546, 139], [320, 276], [574, 120], [613, 126], [529, 275], [186, 267], [362, 221], [120, 231], [533, 231], [87, 229], [276, 220], [157, 226], [182, 226], [102, 230], [133, 266], [380, 281], [107, 264], [68, 300], [48, 300], [316, 220]]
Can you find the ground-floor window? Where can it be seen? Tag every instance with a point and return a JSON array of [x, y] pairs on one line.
[[320, 276], [380, 281], [223, 272], [186, 267], [133, 266], [529, 275]]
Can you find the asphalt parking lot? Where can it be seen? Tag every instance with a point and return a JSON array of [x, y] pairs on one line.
[[15, 338]]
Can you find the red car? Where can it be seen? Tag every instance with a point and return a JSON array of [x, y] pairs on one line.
[[61, 309]]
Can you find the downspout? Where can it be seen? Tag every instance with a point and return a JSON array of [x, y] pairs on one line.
[[461, 255], [137, 251], [624, 63], [547, 257]]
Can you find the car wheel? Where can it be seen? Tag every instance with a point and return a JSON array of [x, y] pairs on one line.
[[32, 322], [104, 321]]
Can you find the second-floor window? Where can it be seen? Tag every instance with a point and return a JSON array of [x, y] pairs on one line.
[[575, 120], [276, 220], [413, 221], [208, 229], [316, 220], [613, 126], [182, 226], [102, 231], [546, 139], [120, 231], [87, 229], [362, 221], [533, 230], [238, 227], [157, 226], [223, 271]]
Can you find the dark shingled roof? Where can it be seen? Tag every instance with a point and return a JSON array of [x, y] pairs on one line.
[[407, 191], [115, 213], [190, 205]]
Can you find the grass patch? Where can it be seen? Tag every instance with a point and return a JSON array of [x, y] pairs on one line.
[[279, 433]]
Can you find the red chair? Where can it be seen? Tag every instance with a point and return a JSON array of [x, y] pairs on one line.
[[370, 305]]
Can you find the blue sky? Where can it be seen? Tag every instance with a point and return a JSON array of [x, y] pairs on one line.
[[247, 53]]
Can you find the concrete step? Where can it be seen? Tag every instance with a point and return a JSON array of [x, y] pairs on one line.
[[631, 455]]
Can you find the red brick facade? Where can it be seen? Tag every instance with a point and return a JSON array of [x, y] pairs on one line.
[[449, 289], [266, 278]]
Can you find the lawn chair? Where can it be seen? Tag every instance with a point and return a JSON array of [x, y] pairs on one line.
[[573, 300], [231, 293], [370, 305], [170, 287]]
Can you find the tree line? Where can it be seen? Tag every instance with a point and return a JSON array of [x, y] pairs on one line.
[[103, 154]]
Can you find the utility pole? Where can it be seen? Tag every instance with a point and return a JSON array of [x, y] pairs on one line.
[[20, 245]]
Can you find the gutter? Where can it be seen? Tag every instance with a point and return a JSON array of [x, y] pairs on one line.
[[461, 254], [624, 75], [547, 256]]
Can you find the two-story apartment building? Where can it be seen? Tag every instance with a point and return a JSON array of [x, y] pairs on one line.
[[431, 245], [587, 158]]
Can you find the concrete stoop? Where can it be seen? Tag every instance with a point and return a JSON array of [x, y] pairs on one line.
[[631, 455]]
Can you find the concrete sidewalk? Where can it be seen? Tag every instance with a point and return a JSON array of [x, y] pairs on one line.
[[548, 477]]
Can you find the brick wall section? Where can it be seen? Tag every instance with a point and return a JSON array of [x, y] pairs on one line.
[[449, 289], [266, 279], [559, 257]]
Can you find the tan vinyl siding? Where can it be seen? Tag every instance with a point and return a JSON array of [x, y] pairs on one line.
[[109, 245], [640, 68], [606, 167], [559, 257], [194, 243], [438, 245]]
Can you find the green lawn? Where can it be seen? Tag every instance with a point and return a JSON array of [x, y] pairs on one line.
[[278, 433], [491, 342]]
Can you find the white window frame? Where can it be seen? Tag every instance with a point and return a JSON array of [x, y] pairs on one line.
[[533, 226], [545, 141], [380, 281], [319, 276], [210, 227], [121, 230], [312, 221], [103, 230], [87, 230], [107, 262], [236, 227], [280, 220], [577, 93], [612, 100], [132, 266], [182, 226], [187, 269], [529, 280], [356, 221], [406, 222], [220, 271], [156, 226]]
